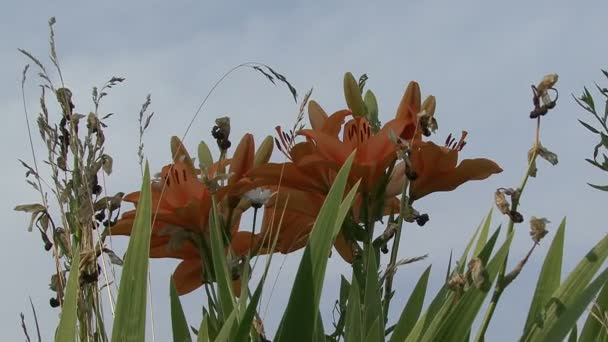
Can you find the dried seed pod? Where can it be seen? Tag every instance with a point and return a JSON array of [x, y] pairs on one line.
[[538, 228], [479, 275]]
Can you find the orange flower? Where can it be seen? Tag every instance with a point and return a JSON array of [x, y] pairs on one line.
[[289, 216], [375, 152], [314, 164], [181, 212], [437, 169]]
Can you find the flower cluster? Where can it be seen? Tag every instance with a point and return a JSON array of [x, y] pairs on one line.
[[291, 193]]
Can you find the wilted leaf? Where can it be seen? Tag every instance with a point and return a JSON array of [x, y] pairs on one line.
[[35, 209], [548, 155], [106, 164], [115, 259]]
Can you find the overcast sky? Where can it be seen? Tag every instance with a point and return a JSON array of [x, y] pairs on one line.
[[477, 58]]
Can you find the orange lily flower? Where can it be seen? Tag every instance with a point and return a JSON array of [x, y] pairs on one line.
[[437, 169], [375, 152], [314, 164], [181, 213], [289, 216]]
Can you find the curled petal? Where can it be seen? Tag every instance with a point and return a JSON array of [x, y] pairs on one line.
[[333, 125], [467, 170], [344, 248], [188, 276]]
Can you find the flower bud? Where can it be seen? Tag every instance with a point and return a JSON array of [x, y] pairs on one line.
[[262, 155]]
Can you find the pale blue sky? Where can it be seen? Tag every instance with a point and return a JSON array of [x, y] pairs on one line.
[[477, 58]]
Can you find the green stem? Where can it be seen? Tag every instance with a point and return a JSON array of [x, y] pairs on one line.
[[499, 288], [395, 248]]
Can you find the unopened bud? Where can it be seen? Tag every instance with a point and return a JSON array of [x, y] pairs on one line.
[[262, 155]]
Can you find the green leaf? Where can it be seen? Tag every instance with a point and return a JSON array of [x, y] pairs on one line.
[[486, 251], [412, 309], [226, 331], [179, 324], [563, 298], [588, 99], [573, 333], [130, 315], [593, 329], [599, 187], [245, 324], [483, 235], [463, 259], [203, 330], [319, 332], [353, 331], [549, 277], [589, 127], [220, 265], [372, 301], [300, 317], [437, 306], [352, 94], [344, 290], [457, 324], [66, 330], [557, 329], [372, 335]]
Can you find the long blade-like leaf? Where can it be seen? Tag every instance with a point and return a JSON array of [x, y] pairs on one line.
[[66, 330], [571, 288], [203, 330], [483, 234], [593, 330], [412, 309], [220, 265], [130, 315], [353, 328], [372, 301], [558, 329], [300, 317], [226, 331], [549, 277], [457, 324], [181, 333]]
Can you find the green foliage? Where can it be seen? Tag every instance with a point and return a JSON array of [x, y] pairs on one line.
[[596, 325], [549, 277], [571, 298], [299, 322], [220, 265], [130, 316], [179, 324], [587, 102], [66, 330], [412, 309]]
